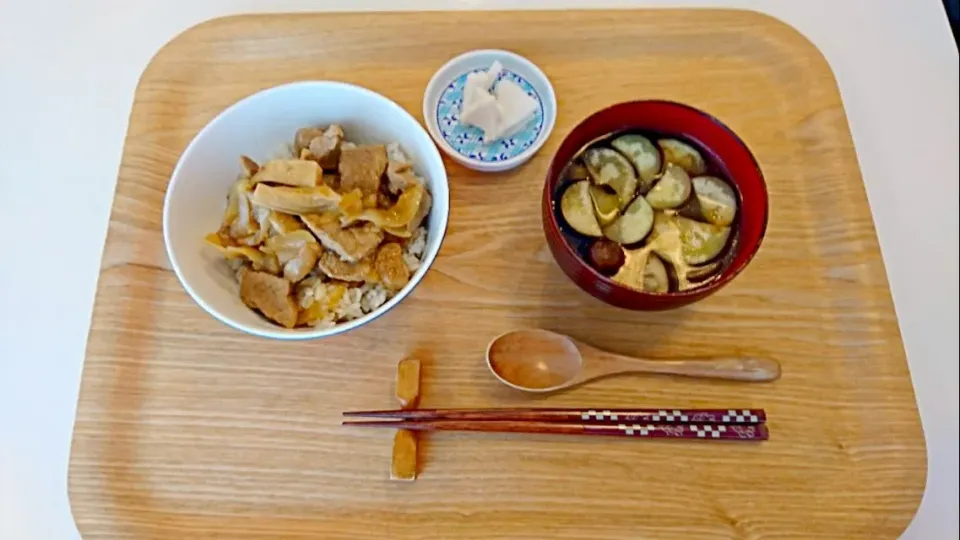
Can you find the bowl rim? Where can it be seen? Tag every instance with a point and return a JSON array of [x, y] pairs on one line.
[[549, 102], [689, 294], [300, 334]]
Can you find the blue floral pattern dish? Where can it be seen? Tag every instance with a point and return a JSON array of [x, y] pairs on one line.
[[468, 140]]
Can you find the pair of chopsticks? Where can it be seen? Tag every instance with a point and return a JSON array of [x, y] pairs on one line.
[[716, 424]]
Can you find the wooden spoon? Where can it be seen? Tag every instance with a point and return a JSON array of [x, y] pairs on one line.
[[544, 361]]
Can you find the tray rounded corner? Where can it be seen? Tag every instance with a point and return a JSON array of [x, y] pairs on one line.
[[798, 37], [185, 36], [917, 502]]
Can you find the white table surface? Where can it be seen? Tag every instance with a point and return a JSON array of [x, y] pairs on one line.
[[67, 75]]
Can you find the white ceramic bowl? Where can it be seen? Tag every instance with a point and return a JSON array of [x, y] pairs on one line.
[[261, 126], [440, 108]]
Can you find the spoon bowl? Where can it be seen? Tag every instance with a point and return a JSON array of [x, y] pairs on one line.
[[540, 361], [534, 360]]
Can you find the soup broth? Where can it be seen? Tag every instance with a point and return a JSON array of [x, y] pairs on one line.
[[653, 212]]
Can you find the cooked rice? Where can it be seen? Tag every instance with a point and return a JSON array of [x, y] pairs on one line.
[[395, 153], [413, 253]]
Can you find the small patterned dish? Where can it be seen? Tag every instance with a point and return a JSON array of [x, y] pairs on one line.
[[464, 143]]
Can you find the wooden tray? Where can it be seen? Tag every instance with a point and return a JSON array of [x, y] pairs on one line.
[[188, 429]]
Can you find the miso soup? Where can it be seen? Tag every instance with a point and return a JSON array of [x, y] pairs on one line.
[[653, 212]]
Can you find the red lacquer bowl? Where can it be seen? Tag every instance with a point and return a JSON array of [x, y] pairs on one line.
[[671, 119]]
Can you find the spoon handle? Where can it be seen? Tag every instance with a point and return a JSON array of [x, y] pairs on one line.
[[736, 369]]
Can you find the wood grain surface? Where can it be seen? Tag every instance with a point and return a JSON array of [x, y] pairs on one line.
[[189, 429]]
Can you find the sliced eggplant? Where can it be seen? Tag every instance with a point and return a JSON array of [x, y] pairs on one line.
[[577, 209], [633, 225], [644, 156], [701, 242], [665, 229], [689, 247], [606, 255], [683, 155], [700, 274], [606, 204], [576, 171], [716, 200], [609, 168], [672, 190], [655, 278]]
